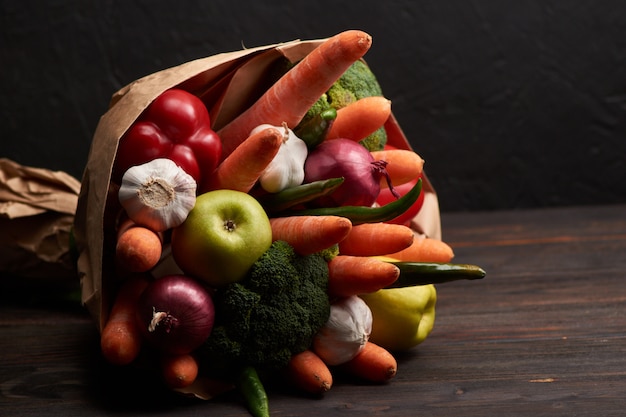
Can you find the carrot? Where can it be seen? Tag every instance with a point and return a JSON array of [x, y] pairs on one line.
[[373, 363], [402, 165], [120, 340], [179, 371], [138, 248], [360, 118], [242, 168], [372, 239], [309, 373], [424, 249], [289, 98], [310, 234], [353, 275]]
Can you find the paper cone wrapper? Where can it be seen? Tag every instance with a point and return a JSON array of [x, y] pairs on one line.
[[227, 83]]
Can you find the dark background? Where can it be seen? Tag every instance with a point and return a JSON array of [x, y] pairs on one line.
[[513, 104]]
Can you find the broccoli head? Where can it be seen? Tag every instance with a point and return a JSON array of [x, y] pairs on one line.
[[357, 81], [271, 314]]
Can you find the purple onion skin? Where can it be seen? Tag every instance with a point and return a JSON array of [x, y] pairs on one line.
[[349, 159], [188, 314]]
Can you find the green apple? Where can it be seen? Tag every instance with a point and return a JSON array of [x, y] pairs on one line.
[[223, 235]]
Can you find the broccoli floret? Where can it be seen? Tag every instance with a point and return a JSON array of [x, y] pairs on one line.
[[315, 268], [357, 82], [375, 141], [329, 253], [271, 314], [319, 106]]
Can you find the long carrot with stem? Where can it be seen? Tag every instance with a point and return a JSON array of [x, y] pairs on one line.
[[243, 167], [424, 249], [354, 275], [179, 371], [310, 234], [360, 118], [138, 249], [374, 239], [289, 98], [373, 363], [308, 372], [402, 165], [121, 340]]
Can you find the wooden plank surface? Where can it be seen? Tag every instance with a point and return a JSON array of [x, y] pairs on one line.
[[542, 335]]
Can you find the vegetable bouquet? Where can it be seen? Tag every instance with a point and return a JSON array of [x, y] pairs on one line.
[[259, 212]]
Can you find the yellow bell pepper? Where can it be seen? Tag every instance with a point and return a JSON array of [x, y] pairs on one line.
[[402, 317]]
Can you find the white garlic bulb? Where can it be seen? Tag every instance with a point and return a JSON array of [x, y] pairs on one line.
[[158, 194], [346, 331]]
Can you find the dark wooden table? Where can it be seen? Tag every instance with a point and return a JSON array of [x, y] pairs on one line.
[[543, 334]]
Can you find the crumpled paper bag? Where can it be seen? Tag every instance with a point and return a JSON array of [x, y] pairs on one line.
[[37, 209]]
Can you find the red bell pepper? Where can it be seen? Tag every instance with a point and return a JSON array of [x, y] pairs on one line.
[[176, 126], [385, 197]]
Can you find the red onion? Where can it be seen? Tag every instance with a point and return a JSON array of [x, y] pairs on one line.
[[176, 314], [348, 159]]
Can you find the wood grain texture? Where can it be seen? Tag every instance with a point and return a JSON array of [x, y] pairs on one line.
[[542, 335]]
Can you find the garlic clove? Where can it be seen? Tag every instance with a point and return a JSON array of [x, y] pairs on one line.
[[158, 194]]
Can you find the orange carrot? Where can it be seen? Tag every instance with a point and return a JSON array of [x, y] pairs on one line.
[[138, 248], [360, 118], [353, 275], [179, 371], [310, 234], [402, 165], [309, 373], [372, 239], [242, 168], [373, 363], [424, 249], [120, 340], [294, 93]]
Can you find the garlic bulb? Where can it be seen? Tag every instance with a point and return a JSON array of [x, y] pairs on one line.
[[346, 331], [286, 170], [158, 194]]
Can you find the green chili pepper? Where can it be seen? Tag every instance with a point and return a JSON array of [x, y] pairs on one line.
[[283, 200], [253, 392], [315, 130], [363, 214], [423, 273]]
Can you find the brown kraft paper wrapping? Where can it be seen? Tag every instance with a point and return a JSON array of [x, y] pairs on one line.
[[227, 83], [37, 208]]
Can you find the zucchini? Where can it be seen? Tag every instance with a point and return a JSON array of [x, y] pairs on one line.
[[287, 198], [423, 273], [363, 214]]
